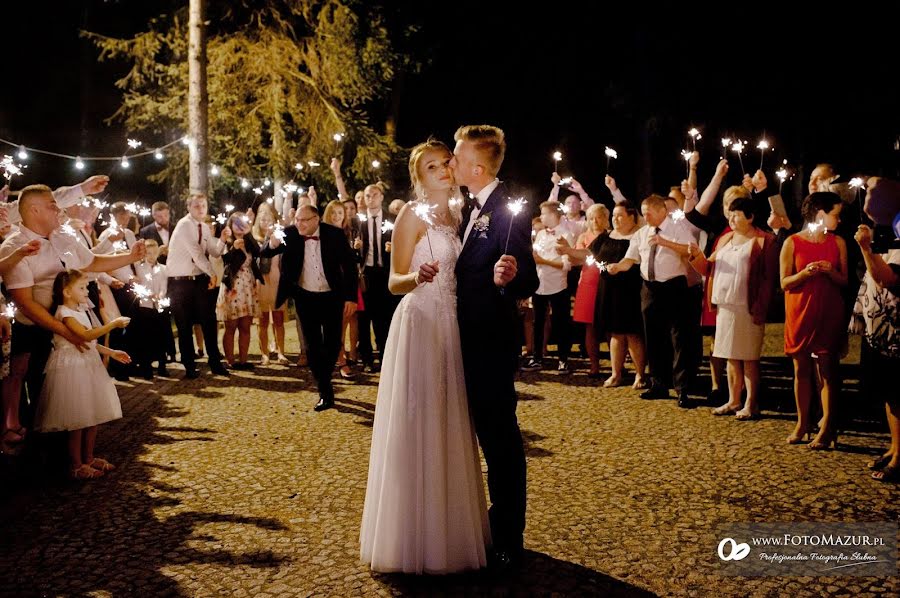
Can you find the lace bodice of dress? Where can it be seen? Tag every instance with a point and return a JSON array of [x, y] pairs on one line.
[[446, 245]]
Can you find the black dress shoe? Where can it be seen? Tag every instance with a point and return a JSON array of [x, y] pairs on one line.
[[503, 561], [218, 369], [716, 397], [654, 393], [324, 404], [685, 402], [191, 375]]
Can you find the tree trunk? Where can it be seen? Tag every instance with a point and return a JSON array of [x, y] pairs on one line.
[[197, 98]]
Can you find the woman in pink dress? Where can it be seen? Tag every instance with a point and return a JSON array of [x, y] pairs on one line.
[[586, 295]]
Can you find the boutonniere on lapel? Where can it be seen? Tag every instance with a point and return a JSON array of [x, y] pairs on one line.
[[482, 225]]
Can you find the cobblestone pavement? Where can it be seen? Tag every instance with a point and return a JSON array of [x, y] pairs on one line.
[[236, 487]]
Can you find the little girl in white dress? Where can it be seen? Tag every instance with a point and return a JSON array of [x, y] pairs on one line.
[[78, 393]]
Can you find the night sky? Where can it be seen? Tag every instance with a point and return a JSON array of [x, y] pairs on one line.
[[566, 76]]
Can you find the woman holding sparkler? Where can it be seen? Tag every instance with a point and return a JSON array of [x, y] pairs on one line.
[[813, 270], [423, 437]]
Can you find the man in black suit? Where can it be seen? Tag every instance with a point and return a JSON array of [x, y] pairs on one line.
[[318, 270], [495, 268], [378, 300], [160, 230]]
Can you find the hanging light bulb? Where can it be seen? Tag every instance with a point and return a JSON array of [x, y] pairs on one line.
[[158, 155], [23, 155], [245, 184], [79, 164], [125, 162], [376, 164], [214, 170]]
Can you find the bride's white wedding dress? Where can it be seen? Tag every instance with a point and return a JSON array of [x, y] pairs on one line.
[[425, 509]]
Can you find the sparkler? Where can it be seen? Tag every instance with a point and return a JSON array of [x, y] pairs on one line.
[[737, 147], [141, 291], [9, 311], [278, 232], [694, 135], [762, 147], [425, 212], [726, 143], [514, 207], [134, 143], [782, 175], [686, 154], [557, 156], [386, 227], [10, 168], [858, 183], [611, 154], [814, 227]]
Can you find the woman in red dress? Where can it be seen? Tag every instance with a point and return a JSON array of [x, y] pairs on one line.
[[597, 218], [813, 270]]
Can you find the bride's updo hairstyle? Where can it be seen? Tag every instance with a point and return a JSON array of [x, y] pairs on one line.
[[415, 157]]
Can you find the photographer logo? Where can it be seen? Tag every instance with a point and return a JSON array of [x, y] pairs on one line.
[[736, 551]]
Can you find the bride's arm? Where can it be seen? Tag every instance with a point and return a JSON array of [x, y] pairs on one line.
[[407, 230]]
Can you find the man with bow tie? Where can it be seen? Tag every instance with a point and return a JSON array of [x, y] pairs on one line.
[[160, 230], [318, 270]]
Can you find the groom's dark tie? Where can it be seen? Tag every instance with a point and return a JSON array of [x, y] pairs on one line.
[[468, 206]]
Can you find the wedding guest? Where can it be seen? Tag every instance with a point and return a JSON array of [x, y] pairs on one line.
[[660, 249], [78, 395], [813, 270], [160, 230], [378, 300], [586, 293], [319, 270], [191, 277], [334, 215], [30, 284], [395, 206], [553, 289], [238, 301], [741, 272], [878, 306], [270, 268]]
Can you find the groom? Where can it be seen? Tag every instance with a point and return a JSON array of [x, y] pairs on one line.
[[489, 279]]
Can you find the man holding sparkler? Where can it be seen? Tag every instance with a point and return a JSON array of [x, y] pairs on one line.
[[492, 273]]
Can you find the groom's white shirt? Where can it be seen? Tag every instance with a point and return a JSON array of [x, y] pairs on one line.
[[480, 198]]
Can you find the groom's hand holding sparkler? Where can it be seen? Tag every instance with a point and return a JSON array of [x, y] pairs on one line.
[[505, 270]]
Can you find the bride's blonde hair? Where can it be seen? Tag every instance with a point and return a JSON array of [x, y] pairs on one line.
[[431, 144], [415, 156]]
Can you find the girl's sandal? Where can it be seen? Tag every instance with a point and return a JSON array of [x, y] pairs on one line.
[[101, 464], [891, 473], [85, 472]]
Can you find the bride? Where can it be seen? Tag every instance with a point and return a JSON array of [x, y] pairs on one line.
[[425, 509]]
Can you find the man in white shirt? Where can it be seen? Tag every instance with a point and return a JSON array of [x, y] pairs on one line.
[[379, 301], [190, 275], [553, 289], [661, 248], [64, 196], [30, 284]]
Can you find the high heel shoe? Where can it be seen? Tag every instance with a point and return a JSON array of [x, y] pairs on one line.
[[795, 438], [825, 440]]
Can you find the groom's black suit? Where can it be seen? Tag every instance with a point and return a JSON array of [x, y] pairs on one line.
[[489, 333]]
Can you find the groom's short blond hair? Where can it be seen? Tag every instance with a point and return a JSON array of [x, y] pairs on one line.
[[490, 143]]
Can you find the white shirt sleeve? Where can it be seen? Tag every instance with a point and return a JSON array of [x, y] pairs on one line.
[[634, 246]]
